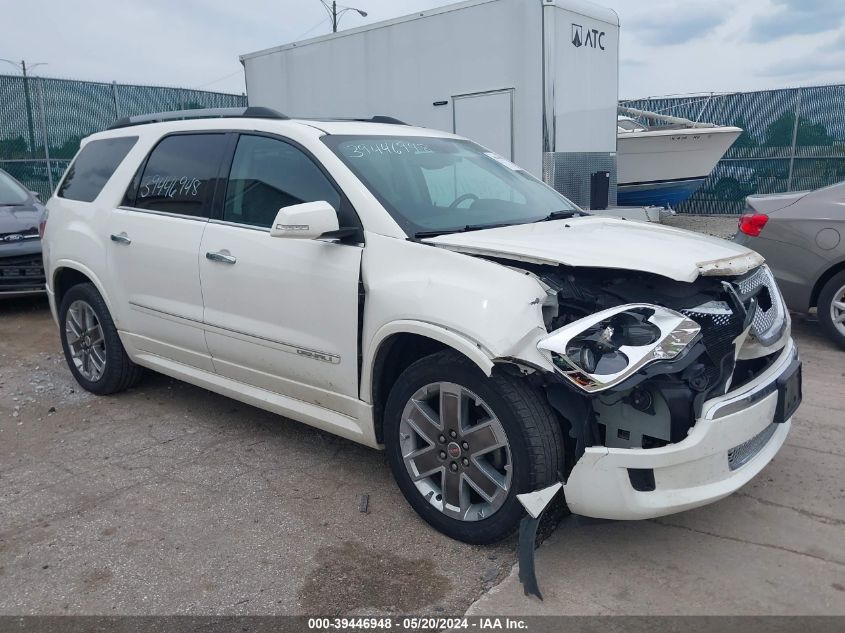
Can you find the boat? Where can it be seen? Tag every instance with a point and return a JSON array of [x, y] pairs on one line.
[[664, 163]]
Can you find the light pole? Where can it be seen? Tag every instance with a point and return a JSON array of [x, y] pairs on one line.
[[27, 98], [336, 15]]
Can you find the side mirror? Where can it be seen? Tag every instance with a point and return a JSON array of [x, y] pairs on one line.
[[307, 221], [35, 195]]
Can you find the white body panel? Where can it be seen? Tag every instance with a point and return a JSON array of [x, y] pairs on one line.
[[403, 67], [659, 155], [158, 299], [688, 474], [285, 315], [663, 250]]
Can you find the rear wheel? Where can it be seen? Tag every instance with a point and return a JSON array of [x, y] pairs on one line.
[[462, 446], [831, 308], [91, 344]]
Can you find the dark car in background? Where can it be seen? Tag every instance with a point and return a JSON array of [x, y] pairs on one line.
[[802, 236], [21, 217]]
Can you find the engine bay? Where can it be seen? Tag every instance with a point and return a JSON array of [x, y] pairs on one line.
[[638, 378]]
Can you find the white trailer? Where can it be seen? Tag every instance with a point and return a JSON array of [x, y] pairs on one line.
[[534, 80]]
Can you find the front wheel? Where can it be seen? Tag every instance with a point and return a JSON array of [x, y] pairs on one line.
[[831, 308], [462, 446]]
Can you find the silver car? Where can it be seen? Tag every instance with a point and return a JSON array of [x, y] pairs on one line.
[[802, 236]]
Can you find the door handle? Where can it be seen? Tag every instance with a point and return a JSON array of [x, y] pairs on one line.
[[121, 238], [221, 256]]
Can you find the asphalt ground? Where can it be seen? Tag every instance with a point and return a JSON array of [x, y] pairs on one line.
[[170, 499]]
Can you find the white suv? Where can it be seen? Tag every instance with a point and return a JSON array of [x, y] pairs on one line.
[[407, 289]]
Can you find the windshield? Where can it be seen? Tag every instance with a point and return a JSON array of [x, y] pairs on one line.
[[442, 185], [10, 191]]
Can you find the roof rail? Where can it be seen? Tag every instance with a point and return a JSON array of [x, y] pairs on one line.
[[254, 112], [380, 118]]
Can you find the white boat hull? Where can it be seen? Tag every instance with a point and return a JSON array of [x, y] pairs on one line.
[[665, 167]]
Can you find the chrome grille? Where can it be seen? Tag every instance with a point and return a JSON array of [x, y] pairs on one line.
[[767, 324], [740, 455], [718, 312]]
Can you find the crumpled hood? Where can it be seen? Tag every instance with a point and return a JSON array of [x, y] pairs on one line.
[[603, 242]]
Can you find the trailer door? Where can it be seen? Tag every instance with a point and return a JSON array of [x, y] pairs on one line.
[[486, 118]]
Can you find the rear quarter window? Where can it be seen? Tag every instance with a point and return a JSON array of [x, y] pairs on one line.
[[91, 170]]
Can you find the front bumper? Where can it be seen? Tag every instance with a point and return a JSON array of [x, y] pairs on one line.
[[695, 471], [21, 269]]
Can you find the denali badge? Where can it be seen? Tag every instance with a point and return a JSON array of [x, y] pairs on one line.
[[326, 358]]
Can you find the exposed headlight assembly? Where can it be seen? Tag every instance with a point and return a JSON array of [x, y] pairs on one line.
[[604, 349]]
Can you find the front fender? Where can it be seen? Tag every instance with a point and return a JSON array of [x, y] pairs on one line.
[[457, 341]]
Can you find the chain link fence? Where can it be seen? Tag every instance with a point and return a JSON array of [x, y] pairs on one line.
[[44, 119], [793, 140]]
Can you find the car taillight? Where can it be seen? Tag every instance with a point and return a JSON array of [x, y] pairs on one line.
[[752, 223]]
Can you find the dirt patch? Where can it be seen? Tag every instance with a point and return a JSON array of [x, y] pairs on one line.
[[350, 576]]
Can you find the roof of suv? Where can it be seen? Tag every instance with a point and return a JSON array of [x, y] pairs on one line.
[[267, 119]]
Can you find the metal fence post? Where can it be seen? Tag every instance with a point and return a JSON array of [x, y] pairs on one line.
[[114, 98], [44, 132], [28, 100], [794, 140]]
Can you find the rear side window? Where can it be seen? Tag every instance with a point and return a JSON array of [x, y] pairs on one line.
[[180, 174], [91, 170]]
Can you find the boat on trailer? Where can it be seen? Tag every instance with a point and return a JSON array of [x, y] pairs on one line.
[[663, 160]]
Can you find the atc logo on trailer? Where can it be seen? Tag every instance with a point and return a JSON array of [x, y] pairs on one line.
[[593, 38]]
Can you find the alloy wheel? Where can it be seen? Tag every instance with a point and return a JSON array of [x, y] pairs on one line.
[[456, 451], [85, 340], [837, 310]]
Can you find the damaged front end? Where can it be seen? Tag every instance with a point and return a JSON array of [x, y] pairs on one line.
[[638, 355], [675, 394]]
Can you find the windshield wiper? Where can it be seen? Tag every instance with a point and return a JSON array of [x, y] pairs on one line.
[[562, 215], [464, 229]]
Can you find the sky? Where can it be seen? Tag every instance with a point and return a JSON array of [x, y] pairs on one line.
[[667, 46]]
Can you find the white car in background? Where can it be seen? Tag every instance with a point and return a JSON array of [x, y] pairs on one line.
[[408, 289]]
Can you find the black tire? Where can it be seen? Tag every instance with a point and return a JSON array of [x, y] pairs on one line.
[[119, 373], [532, 429], [829, 293]]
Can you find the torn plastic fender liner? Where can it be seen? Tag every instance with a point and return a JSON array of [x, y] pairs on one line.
[[535, 503], [576, 409]]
